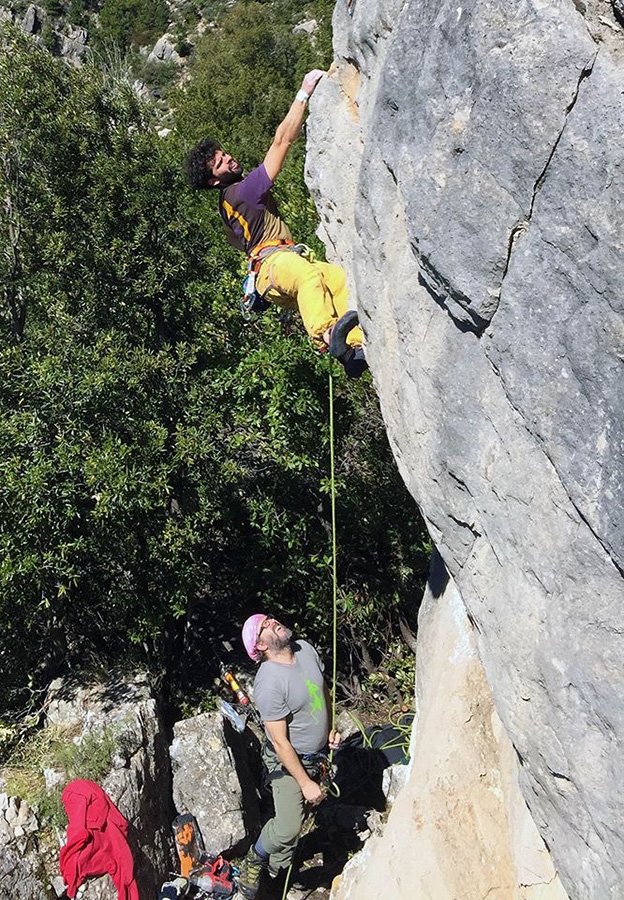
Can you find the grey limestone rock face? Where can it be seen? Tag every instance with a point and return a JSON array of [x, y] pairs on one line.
[[31, 23], [74, 44], [213, 778], [476, 200], [22, 874], [164, 51]]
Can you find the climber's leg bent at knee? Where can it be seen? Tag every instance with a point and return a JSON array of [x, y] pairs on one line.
[[319, 290], [336, 282]]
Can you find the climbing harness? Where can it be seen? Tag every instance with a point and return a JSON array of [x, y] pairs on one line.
[[318, 766], [251, 301]]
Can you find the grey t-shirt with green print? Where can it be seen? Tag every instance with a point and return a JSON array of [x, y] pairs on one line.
[[295, 693]]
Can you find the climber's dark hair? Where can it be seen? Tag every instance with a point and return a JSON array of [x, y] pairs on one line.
[[198, 169]]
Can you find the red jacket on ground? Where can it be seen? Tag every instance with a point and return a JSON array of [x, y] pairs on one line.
[[96, 840]]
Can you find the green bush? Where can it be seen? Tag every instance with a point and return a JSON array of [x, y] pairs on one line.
[[54, 748], [131, 23]]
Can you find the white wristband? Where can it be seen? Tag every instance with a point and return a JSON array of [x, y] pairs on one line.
[[302, 96]]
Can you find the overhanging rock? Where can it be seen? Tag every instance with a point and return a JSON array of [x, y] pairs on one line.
[[466, 162]]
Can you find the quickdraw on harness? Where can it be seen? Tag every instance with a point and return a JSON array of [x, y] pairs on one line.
[[320, 768], [252, 301]]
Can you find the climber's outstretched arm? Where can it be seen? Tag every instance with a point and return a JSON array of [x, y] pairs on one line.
[[288, 131]]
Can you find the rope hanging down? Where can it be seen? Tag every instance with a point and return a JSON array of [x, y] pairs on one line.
[[334, 554], [332, 482]]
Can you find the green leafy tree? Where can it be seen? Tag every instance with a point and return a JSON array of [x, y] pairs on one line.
[[131, 23], [163, 463]]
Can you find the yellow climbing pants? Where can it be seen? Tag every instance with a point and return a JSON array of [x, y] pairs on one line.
[[317, 289]]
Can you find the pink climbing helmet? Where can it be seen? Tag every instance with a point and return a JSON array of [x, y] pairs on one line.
[[251, 630]]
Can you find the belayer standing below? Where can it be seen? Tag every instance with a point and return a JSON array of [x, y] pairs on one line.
[[284, 272], [293, 700]]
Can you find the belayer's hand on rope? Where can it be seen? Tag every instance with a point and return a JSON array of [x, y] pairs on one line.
[[334, 740]]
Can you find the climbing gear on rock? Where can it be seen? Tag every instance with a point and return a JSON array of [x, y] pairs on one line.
[[234, 686], [352, 358], [213, 877], [228, 712], [202, 876], [251, 870], [172, 890], [188, 842]]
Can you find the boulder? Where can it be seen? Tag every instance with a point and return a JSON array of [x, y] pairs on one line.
[[139, 781], [309, 28], [216, 778], [74, 44], [32, 21], [22, 873], [164, 51]]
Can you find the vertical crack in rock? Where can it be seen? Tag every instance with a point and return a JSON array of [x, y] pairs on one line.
[[586, 72], [523, 226]]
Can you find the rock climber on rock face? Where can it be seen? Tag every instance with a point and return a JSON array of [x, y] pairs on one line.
[[293, 700], [283, 274]]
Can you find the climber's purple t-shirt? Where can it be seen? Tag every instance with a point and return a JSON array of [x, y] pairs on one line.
[[250, 212]]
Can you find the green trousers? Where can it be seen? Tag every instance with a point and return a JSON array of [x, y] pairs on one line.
[[280, 834]]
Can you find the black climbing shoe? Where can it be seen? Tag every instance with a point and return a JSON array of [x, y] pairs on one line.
[[338, 346], [352, 358], [354, 362], [251, 870]]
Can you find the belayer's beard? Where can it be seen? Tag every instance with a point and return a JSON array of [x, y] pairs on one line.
[[283, 641]]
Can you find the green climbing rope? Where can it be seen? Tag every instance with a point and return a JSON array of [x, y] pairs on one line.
[[332, 481]]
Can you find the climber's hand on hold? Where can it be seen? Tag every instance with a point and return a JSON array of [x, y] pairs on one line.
[[310, 81]]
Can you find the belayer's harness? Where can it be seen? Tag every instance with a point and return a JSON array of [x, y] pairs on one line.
[[252, 301], [317, 765]]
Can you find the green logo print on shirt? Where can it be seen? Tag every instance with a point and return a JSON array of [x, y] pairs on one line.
[[316, 698]]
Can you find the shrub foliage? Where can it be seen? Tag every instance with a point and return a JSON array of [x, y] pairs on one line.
[[163, 463]]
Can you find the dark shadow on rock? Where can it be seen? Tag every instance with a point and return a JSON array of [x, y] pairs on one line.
[[157, 813], [246, 752], [359, 775], [438, 575]]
